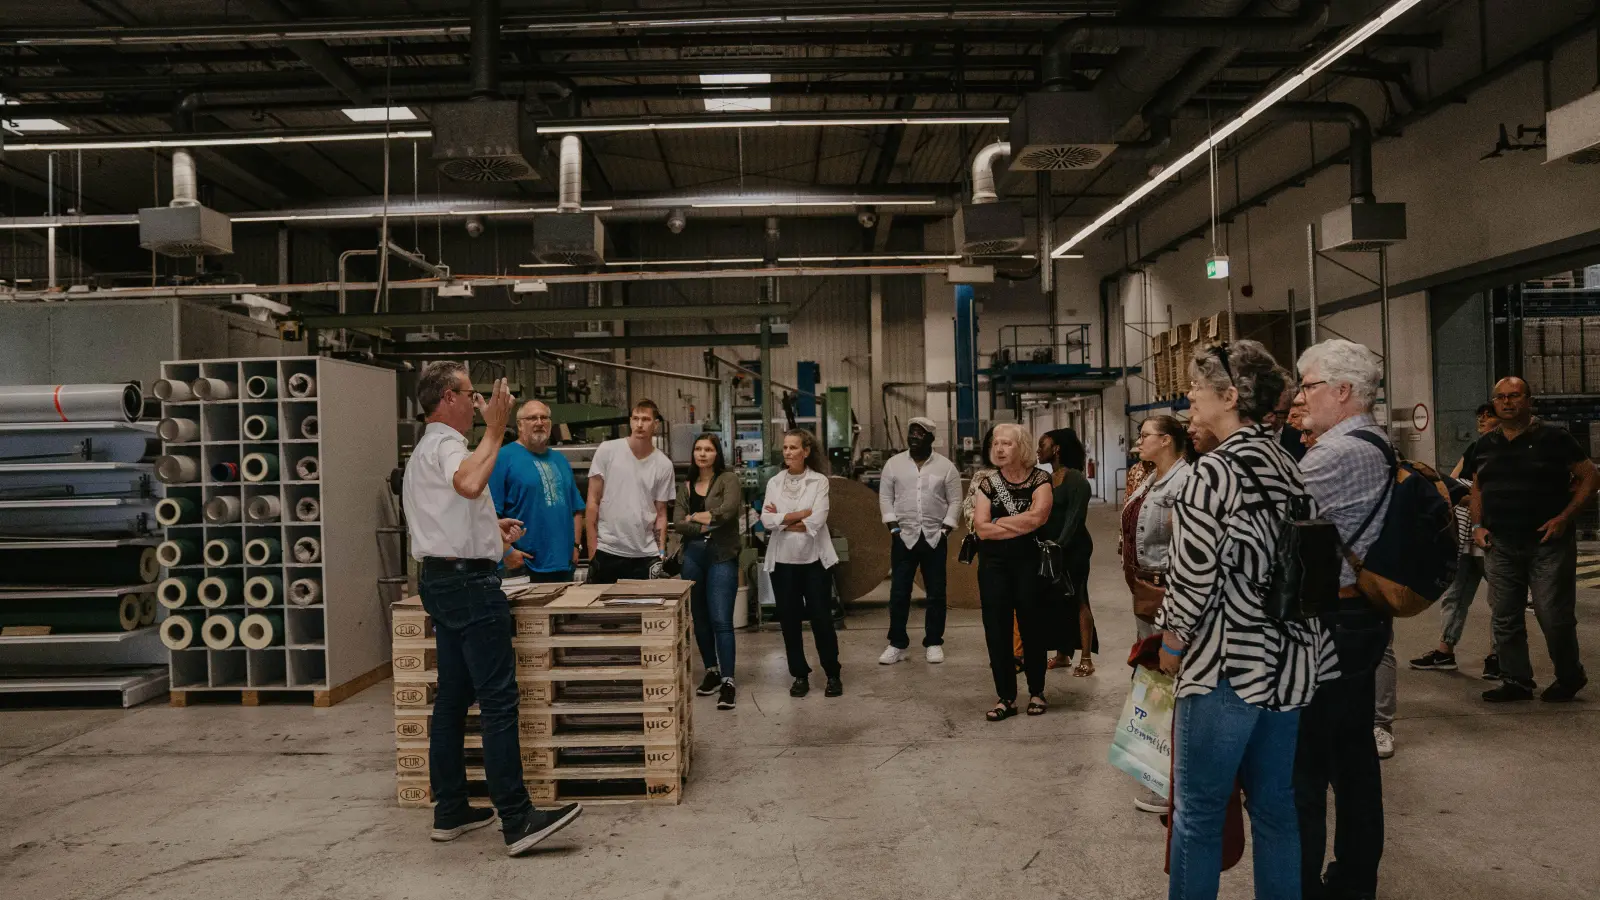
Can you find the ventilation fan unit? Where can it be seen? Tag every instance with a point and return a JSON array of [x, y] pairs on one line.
[[184, 227], [1060, 131], [571, 239], [990, 229], [1573, 132], [1364, 227], [484, 140]]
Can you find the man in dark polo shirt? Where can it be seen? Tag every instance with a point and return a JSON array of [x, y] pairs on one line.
[[1532, 478]]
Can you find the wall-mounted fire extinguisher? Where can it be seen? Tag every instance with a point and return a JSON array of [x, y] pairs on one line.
[[1088, 469]]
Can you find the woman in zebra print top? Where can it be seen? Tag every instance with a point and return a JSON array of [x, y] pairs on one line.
[[1241, 677]]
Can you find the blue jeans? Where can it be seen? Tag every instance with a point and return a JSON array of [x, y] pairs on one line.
[[472, 624], [1458, 597], [1220, 739], [711, 603], [1518, 564]]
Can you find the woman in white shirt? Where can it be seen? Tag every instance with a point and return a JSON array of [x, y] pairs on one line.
[[799, 555]]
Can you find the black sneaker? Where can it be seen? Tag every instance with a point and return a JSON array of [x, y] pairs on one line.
[[801, 687], [1508, 692], [540, 825], [1561, 692], [1491, 667], [710, 683], [1434, 661], [835, 687], [725, 695], [472, 820]]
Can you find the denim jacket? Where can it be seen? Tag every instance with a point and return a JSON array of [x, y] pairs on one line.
[[1154, 536]]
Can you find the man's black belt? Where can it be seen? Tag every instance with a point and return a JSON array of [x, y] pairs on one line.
[[447, 564]]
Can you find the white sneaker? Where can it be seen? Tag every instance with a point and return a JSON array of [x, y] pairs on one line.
[[891, 655], [1385, 742], [935, 654]]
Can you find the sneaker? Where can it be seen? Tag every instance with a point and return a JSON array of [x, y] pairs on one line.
[[1508, 692], [725, 695], [710, 683], [1561, 692], [801, 687], [1385, 741], [540, 825], [1150, 802], [891, 655], [1434, 661], [935, 654], [835, 687], [1491, 667], [472, 821]]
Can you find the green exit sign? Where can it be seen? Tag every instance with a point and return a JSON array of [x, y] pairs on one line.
[[1217, 268]]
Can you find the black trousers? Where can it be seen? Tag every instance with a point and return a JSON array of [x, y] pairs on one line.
[[903, 564], [802, 592], [1337, 749], [606, 568], [1007, 589]]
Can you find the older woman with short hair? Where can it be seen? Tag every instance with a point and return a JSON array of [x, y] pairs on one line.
[[1241, 676]]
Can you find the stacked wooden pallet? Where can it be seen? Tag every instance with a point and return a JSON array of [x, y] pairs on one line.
[[1172, 350], [603, 674]]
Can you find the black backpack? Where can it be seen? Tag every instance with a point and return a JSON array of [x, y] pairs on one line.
[[1413, 560]]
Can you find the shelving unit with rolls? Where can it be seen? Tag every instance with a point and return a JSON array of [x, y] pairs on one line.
[[271, 552]]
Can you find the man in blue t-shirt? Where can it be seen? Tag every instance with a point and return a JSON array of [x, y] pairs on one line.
[[533, 484]]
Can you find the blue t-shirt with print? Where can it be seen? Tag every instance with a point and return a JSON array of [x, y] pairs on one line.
[[538, 489]]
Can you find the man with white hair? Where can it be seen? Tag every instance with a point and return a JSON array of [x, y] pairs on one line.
[[1349, 470], [919, 496]]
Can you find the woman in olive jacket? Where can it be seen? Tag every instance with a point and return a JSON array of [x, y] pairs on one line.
[[706, 516]]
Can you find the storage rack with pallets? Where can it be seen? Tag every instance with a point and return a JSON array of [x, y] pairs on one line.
[[316, 437], [1172, 350], [603, 674]]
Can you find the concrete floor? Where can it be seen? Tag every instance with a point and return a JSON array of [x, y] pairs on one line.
[[897, 789]]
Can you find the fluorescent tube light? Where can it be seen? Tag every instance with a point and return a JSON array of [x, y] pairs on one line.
[[241, 141], [748, 78], [29, 126], [380, 113], [738, 104]]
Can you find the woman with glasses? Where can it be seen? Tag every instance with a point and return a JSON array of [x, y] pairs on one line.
[[1241, 676], [706, 516]]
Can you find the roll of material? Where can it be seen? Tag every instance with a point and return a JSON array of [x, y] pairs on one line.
[[259, 631], [261, 387], [221, 630], [177, 511], [75, 567], [214, 389], [178, 552], [224, 472], [261, 428], [147, 609], [307, 550], [179, 431], [307, 509], [263, 551], [177, 469], [309, 428], [75, 615], [260, 467], [178, 591], [220, 590], [302, 386], [71, 403], [222, 552], [263, 590], [264, 508], [179, 630], [168, 390], [308, 468], [222, 510], [305, 591]]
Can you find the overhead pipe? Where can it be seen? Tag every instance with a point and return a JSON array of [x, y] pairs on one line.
[[185, 180], [439, 271], [983, 189], [71, 403], [571, 175], [1193, 32], [1348, 114], [485, 49]]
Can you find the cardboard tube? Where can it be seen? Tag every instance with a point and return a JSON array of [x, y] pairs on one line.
[[179, 629], [260, 467], [259, 631], [302, 386], [264, 508], [263, 590], [223, 510], [305, 591], [309, 428], [221, 631], [213, 389], [307, 509], [178, 552], [177, 469], [259, 387], [178, 431], [263, 551], [307, 550], [177, 511], [147, 609], [220, 590], [178, 591], [168, 390], [222, 552], [308, 468]]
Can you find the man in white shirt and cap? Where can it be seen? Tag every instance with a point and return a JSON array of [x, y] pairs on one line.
[[920, 498], [458, 541]]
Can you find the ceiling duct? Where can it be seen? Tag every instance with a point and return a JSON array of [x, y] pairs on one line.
[[1061, 131], [1572, 132], [485, 138], [184, 227], [570, 237], [987, 226]]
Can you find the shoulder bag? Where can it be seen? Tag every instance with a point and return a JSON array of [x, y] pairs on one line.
[[1304, 582], [1052, 559]]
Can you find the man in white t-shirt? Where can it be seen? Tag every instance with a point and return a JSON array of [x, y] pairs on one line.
[[630, 485]]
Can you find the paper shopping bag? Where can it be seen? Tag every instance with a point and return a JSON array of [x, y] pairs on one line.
[[1142, 746]]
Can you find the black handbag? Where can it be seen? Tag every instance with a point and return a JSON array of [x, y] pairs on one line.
[[1305, 564], [969, 549], [1052, 559]]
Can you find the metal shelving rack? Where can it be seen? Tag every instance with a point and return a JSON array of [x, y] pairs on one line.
[[340, 637]]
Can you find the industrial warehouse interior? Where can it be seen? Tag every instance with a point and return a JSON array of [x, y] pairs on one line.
[[602, 448]]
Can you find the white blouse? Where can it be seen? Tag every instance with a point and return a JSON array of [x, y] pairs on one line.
[[787, 493]]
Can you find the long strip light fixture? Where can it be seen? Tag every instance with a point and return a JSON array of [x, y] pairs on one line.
[[1284, 88], [802, 260]]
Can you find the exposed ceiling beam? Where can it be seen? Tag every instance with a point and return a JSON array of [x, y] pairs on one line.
[[535, 316], [315, 53], [523, 347]]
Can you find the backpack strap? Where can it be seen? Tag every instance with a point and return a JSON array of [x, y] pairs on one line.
[[1393, 460]]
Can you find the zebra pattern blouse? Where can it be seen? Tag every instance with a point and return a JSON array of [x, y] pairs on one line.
[[1224, 539]]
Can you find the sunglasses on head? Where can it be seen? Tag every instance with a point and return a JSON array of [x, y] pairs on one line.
[[1222, 359]]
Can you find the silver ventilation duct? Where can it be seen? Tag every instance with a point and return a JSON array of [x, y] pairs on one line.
[[185, 180], [184, 227], [484, 139], [983, 190], [987, 226], [571, 185], [570, 236]]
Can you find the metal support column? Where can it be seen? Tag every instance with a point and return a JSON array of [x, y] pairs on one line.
[[1294, 335], [768, 286], [966, 364], [1383, 324], [1311, 268]]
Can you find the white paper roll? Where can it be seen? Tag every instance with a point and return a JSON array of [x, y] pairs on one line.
[[168, 390], [214, 389], [305, 591], [307, 509], [264, 508], [307, 550], [178, 431], [177, 469], [221, 631], [302, 385], [221, 510], [308, 468]]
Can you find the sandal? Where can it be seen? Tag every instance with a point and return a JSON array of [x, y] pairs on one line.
[[1059, 662], [1001, 712], [1084, 669], [1037, 706]]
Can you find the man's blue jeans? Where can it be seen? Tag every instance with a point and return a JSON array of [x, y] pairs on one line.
[[716, 585], [472, 624], [1220, 739], [1518, 564], [1458, 598]]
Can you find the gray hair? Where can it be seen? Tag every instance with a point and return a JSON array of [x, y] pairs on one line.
[[437, 379], [1339, 361], [1255, 375]]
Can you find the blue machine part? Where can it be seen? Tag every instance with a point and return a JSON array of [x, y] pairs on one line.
[[807, 375], [966, 363]]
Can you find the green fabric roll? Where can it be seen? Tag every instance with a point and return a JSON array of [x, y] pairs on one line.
[[221, 630], [263, 590], [261, 630], [222, 590], [261, 428], [178, 591], [177, 511], [265, 470], [178, 552], [181, 630], [74, 615], [263, 551], [223, 552]]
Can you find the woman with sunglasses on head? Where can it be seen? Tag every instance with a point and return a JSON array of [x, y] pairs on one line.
[[1073, 620], [1241, 676], [706, 517], [799, 555]]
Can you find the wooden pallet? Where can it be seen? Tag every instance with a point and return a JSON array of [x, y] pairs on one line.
[[641, 654], [648, 790], [318, 697], [618, 759], [596, 725]]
